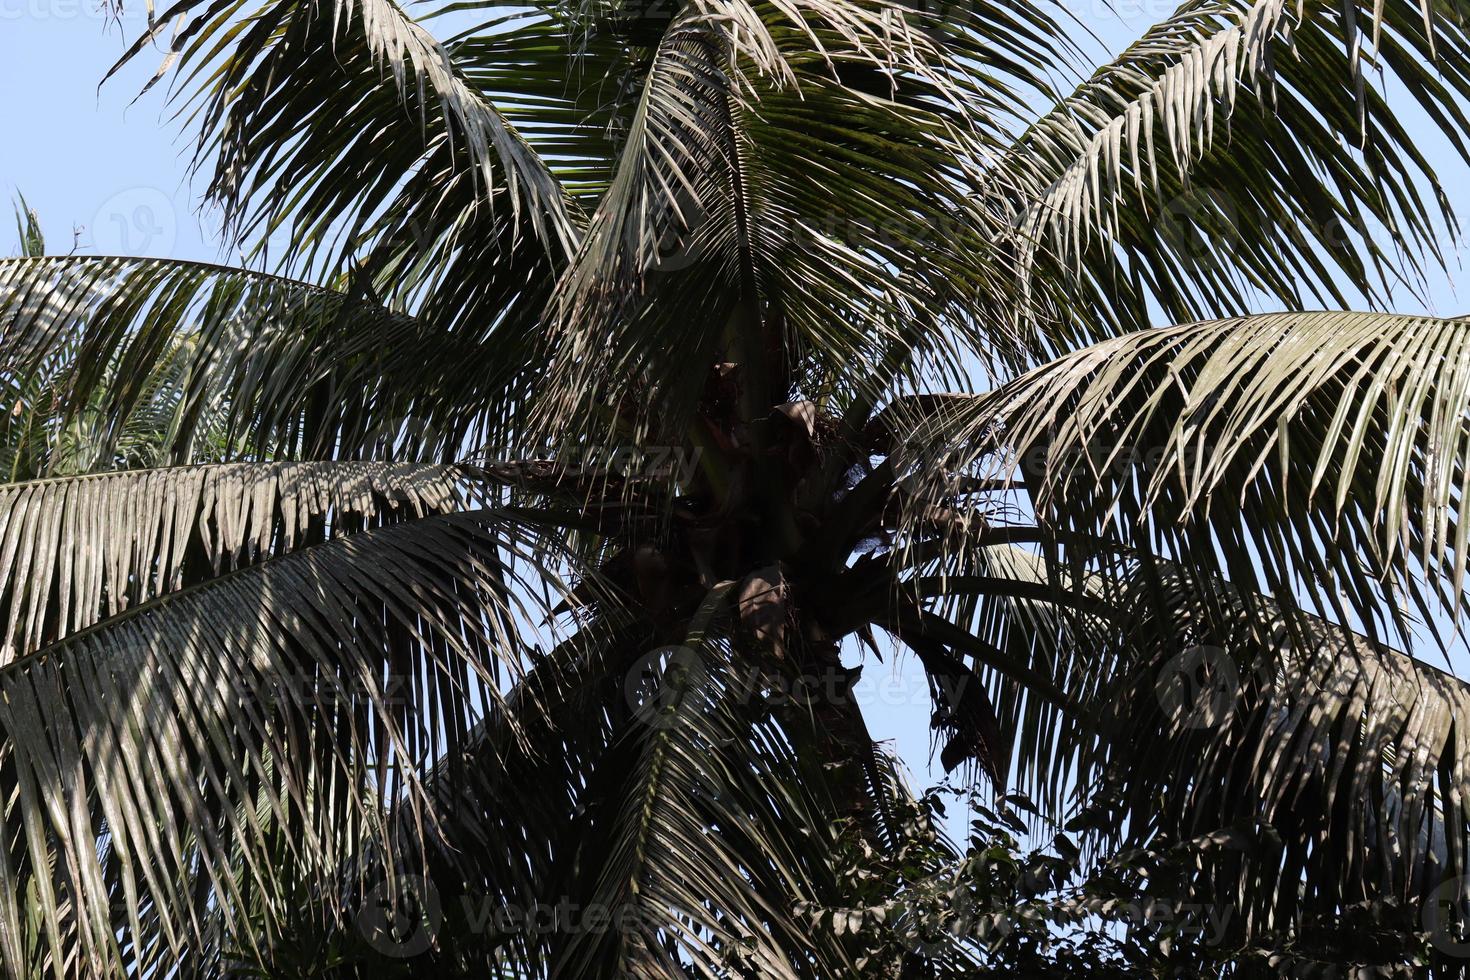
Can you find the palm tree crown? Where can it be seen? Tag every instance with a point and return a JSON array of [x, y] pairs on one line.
[[443, 613]]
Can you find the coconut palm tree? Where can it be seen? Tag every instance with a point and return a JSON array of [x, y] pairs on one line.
[[493, 600]]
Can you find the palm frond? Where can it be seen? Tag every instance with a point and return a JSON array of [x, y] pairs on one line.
[[294, 70], [281, 366], [1239, 149], [1329, 766], [692, 851], [1320, 452], [526, 777], [75, 550], [249, 679], [28, 229], [154, 763], [565, 78], [1334, 766], [731, 232], [352, 136]]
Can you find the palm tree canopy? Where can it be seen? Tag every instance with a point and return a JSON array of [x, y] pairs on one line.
[[629, 366]]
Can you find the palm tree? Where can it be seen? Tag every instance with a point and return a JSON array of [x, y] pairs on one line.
[[489, 604]]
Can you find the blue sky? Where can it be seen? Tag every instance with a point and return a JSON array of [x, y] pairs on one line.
[[85, 158], [110, 176]]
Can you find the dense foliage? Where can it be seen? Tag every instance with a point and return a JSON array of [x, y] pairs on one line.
[[483, 589]]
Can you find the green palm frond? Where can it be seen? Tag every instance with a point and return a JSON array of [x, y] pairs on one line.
[[566, 81], [74, 550], [28, 229], [277, 69], [301, 696], [729, 233], [1029, 640], [1327, 758], [1324, 451], [284, 366], [1240, 149], [699, 826], [406, 182], [1330, 766]]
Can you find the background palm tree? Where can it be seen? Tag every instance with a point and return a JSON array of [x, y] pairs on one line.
[[482, 607]]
